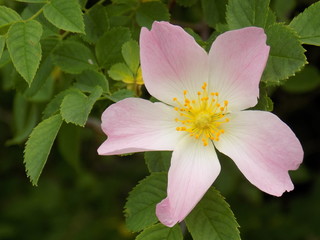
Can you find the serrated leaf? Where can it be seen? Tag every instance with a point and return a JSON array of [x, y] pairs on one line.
[[38, 146], [186, 3], [286, 55], [108, 47], [66, 15], [305, 81], [149, 12], [142, 200], [158, 161], [212, 218], [96, 23], [244, 13], [73, 57], [214, 11], [121, 72], [161, 232], [131, 55], [2, 43], [306, 24], [89, 79], [76, 106], [8, 16], [44, 72], [23, 43]]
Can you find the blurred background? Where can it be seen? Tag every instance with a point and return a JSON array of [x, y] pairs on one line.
[[81, 195]]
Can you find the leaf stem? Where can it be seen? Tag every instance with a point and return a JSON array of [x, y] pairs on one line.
[[35, 15]]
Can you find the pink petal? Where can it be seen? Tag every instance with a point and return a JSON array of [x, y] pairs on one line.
[[171, 62], [136, 125], [264, 148], [237, 59], [193, 169]]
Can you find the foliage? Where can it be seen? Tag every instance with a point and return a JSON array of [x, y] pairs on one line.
[[63, 62]]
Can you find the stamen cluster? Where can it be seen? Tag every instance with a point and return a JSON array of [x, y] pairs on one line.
[[202, 117]]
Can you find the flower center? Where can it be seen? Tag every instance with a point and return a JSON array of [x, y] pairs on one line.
[[203, 117]]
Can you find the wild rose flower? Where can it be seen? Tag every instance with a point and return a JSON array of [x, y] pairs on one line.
[[203, 97]]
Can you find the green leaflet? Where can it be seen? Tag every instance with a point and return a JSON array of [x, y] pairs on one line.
[[66, 15], [96, 23], [149, 12], [73, 57], [8, 16], [161, 232], [23, 43], [76, 106], [286, 55], [214, 11], [306, 24], [244, 13], [39, 145], [89, 79], [108, 47], [131, 55], [212, 218], [142, 200], [120, 72]]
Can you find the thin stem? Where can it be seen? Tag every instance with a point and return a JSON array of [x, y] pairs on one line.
[[35, 15]]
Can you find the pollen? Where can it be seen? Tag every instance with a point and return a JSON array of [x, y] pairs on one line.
[[204, 117]]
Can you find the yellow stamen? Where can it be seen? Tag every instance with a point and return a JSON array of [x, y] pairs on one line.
[[202, 118]]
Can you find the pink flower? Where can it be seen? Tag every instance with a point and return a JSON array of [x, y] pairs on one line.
[[203, 97]]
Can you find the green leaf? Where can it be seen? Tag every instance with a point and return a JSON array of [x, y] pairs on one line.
[[73, 57], [306, 24], [66, 15], [286, 54], [108, 47], [121, 72], [76, 106], [39, 145], [149, 12], [214, 11], [120, 94], [212, 218], [161, 232], [305, 81], [131, 55], [140, 207], [158, 161], [43, 74], [244, 13], [96, 23], [23, 43], [89, 79], [8, 16], [2, 43]]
